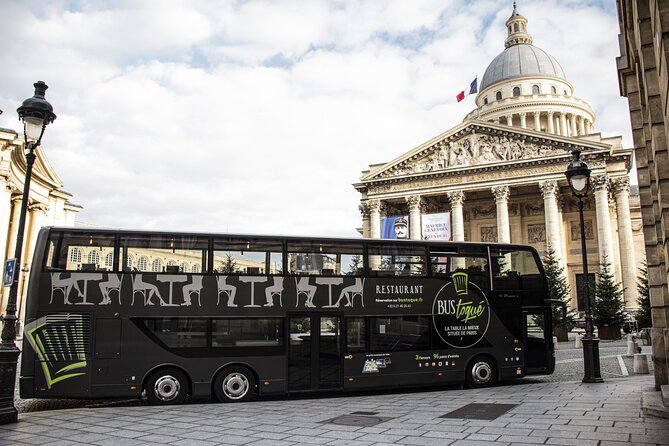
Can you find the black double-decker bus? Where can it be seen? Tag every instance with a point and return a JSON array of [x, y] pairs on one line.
[[114, 313]]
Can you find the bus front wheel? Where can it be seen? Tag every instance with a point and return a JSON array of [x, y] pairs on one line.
[[167, 386], [481, 372], [235, 384]]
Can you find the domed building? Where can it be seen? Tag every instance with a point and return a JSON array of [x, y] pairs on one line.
[[499, 176]]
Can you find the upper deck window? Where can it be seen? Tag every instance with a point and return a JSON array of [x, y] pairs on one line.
[[514, 269], [154, 251], [78, 251], [247, 256], [325, 258], [396, 260], [472, 260]]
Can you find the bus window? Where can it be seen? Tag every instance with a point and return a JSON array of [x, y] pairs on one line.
[[396, 260], [164, 253], [179, 332], [394, 333], [515, 269], [80, 251], [247, 332], [247, 256], [324, 258], [473, 262], [356, 338]]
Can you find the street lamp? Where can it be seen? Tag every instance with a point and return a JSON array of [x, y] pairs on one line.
[[578, 175], [36, 113]]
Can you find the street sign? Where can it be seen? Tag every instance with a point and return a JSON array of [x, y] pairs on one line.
[[10, 268]]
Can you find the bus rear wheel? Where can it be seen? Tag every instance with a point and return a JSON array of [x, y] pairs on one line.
[[235, 384], [167, 386], [481, 372]]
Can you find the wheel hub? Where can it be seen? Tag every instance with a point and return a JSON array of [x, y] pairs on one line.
[[167, 388], [235, 386]]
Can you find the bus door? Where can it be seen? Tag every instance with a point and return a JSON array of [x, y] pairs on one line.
[[538, 339], [314, 352]]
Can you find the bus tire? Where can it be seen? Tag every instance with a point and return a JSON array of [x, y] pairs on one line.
[[167, 386], [235, 384], [481, 372]]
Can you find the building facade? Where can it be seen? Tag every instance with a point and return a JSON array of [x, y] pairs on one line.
[[501, 172], [48, 205], [644, 80]]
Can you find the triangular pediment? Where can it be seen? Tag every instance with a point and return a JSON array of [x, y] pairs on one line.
[[478, 143]]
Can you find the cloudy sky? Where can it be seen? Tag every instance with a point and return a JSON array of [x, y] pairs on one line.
[[256, 116]]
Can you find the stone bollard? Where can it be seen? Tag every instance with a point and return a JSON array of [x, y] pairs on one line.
[[632, 346], [641, 364], [555, 342], [579, 341]]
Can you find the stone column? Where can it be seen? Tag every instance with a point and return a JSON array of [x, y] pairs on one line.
[[414, 202], [501, 194], [523, 120], [581, 125], [550, 121], [11, 241], [537, 121], [365, 212], [563, 125], [621, 190], [457, 198], [573, 125], [5, 213], [509, 119], [550, 191], [600, 186], [374, 218]]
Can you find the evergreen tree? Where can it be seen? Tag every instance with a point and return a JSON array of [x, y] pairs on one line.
[[229, 265], [643, 318], [608, 308], [558, 289]]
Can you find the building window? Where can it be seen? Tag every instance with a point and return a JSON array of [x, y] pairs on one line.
[[142, 264], [109, 260], [184, 268], [157, 266], [535, 89], [485, 100], [94, 257], [498, 95], [75, 255], [196, 268], [553, 89], [128, 262], [516, 92]]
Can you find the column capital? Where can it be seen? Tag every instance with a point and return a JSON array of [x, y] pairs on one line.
[[550, 113], [522, 114], [414, 201], [620, 185], [548, 188], [500, 192], [599, 182], [374, 205], [364, 209], [38, 207], [456, 197]]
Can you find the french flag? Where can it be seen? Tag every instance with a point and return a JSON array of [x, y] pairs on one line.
[[467, 91]]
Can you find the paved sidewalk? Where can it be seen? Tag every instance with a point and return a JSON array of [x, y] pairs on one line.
[[566, 413]]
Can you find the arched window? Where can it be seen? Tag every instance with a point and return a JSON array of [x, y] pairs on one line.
[[75, 255], [510, 30], [516, 92], [498, 95], [142, 264], [128, 262], [94, 257], [515, 27], [553, 89], [184, 267], [565, 93], [109, 260], [157, 266], [196, 268], [485, 100], [535, 89]]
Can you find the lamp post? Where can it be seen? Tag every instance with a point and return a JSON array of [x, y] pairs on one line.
[[36, 113], [578, 175]]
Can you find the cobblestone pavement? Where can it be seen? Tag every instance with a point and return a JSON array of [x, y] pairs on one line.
[[529, 412]]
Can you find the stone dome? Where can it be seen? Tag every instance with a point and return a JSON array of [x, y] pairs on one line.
[[521, 60]]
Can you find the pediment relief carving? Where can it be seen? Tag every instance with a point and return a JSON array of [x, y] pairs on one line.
[[472, 150]]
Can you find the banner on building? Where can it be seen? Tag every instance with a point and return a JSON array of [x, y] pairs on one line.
[[437, 226], [395, 227]]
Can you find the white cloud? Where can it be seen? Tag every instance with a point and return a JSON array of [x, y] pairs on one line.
[[256, 116]]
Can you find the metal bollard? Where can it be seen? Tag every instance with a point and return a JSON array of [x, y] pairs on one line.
[[632, 346], [641, 364]]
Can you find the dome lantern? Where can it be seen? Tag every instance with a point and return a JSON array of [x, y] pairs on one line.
[[516, 26]]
